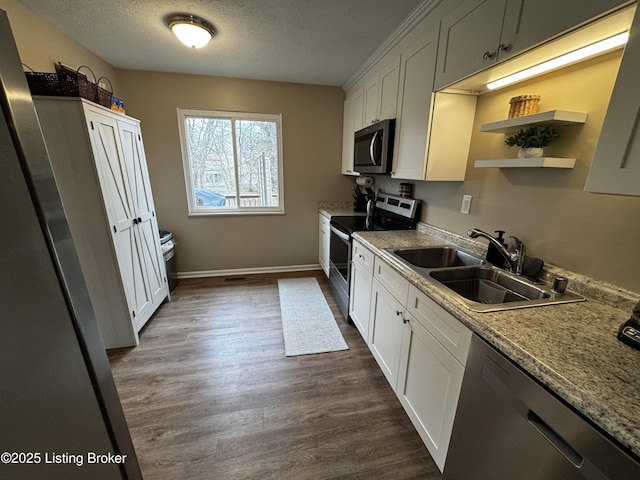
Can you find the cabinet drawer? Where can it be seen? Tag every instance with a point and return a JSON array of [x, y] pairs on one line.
[[362, 257], [395, 283], [452, 334]]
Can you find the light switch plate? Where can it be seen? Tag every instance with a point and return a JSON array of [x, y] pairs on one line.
[[466, 204]]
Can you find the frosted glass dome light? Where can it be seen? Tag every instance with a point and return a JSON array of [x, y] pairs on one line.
[[194, 32]]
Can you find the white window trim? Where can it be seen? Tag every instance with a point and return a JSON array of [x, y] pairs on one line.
[[186, 163]]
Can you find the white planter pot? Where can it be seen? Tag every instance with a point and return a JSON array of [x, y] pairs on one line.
[[530, 152]]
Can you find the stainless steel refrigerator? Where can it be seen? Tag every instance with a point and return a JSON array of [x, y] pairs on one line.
[[60, 415]]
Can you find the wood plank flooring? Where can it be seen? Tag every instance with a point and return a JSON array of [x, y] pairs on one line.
[[209, 394]]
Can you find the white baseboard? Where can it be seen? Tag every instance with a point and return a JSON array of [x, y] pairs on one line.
[[249, 271]]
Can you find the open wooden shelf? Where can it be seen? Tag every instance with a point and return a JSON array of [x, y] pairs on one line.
[[552, 117], [540, 162]]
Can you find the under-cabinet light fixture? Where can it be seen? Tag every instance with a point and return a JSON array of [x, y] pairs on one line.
[[194, 32], [583, 53]]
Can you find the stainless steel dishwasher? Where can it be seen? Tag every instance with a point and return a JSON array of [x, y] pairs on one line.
[[510, 427]]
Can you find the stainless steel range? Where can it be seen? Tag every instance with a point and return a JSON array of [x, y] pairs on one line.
[[391, 212]]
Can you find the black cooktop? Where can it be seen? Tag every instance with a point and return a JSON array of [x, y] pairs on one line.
[[350, 224]]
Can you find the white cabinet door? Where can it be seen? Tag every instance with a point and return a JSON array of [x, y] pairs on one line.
[[414, 107], [528, 23], [616, 162], [388, 89], [323, 241], [124, 179], [371, 101], [360, 299], [480, 33], [469, 40], [362, 264], [115, 183], [386, 331], [429, 383], [381, 93], [351, 123], [144, 209]]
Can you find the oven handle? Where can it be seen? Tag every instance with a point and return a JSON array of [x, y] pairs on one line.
[[340, 234]]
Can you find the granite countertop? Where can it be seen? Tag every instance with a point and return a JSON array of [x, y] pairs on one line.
[[571, 348], [332, 209]]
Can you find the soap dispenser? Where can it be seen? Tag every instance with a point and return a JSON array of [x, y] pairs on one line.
[[494, 256]]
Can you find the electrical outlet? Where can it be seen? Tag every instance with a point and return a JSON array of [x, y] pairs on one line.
[[466, 204]]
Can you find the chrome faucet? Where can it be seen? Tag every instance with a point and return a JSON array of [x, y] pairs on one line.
[[515, 259]]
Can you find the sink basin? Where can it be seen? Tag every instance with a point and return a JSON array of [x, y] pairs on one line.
[[434, 257], [480, 286], [487, 288]]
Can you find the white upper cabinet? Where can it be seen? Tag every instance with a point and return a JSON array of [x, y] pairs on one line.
[[480, 33], [381, 93], [616, 163], [469, 40], [528, 23], [414, 107], [351, 123], [427, 148]]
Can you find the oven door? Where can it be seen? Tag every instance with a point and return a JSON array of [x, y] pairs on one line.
[[339, 268]]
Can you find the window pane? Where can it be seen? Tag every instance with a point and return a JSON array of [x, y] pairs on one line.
[[232, 162], [210, 147], [257, 143]]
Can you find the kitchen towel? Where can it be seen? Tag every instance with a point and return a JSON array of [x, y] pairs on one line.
[[308, 324]]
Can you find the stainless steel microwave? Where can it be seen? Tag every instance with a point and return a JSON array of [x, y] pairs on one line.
[[373, 148]]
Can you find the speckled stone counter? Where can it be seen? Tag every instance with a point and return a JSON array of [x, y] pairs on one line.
[[330, 209], [571, 348]]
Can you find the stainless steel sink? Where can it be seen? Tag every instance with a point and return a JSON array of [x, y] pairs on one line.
[[487, 288], [434, 257], [480, 286]]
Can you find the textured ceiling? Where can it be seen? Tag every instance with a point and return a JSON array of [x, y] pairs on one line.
[[305, 41]]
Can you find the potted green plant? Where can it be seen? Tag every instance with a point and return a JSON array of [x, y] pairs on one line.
[[532, 140]]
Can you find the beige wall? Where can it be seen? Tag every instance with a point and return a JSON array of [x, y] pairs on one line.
[[312, 131], [593, 234], [40, 45], [312, 145]]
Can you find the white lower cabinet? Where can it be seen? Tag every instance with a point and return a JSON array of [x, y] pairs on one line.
[[386, 331], [429, 381], [324, 229], [360, 293], [420, 348]]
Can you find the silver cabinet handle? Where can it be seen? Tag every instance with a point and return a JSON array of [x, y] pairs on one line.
[[488, 55], [503, 48]]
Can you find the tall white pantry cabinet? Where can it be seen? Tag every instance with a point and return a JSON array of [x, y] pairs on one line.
[[99, 164]]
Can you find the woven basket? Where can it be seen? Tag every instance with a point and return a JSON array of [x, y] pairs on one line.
[[66, 82], [104, 96], [523, 105]]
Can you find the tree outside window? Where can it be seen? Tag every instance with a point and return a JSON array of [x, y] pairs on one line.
[[232, 161]]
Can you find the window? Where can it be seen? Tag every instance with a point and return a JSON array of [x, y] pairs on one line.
[[232, 162]]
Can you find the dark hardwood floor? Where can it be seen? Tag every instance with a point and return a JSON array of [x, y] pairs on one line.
[[209, 394]]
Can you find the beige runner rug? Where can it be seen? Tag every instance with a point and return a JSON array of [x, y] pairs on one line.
[[308, 325]]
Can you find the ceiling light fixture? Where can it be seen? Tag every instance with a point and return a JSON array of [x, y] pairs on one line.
[[583, 53], [194, 32]]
